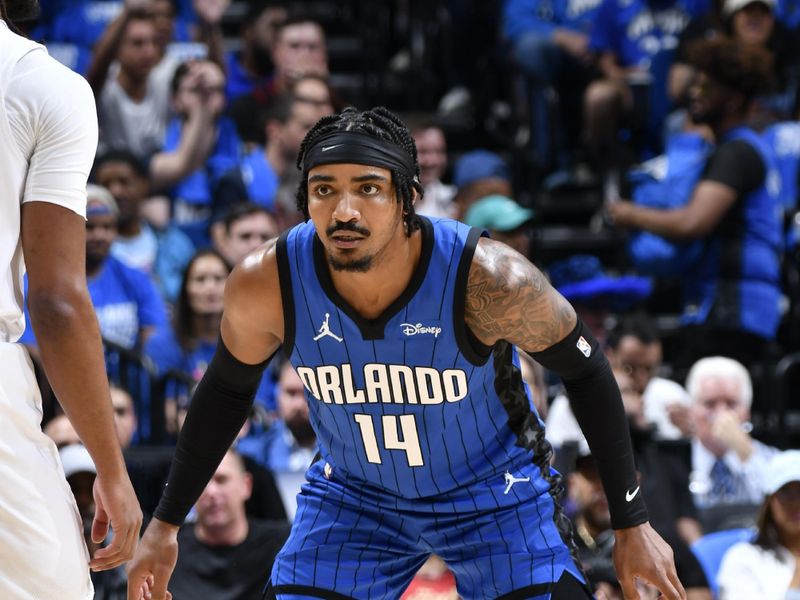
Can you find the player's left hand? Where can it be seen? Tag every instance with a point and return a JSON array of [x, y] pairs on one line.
[[640, 552]]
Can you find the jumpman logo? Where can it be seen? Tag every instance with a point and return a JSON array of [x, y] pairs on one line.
[[325, 330], [511, 480]]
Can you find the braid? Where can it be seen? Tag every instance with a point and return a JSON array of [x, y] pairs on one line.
[[378, 122]]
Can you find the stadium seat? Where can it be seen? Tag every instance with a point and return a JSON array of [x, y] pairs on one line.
[[710, 549]]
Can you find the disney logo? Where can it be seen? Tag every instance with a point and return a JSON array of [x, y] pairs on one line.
[[410, 329]]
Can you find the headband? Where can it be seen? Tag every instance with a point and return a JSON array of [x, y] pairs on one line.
[[358, 148]]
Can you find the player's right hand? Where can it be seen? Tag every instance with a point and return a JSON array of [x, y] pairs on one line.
[[153, 563], [117, 507]]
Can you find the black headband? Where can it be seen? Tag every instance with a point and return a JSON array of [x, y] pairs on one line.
[[358, 148]]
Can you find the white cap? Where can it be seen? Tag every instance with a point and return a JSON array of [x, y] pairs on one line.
[[781, 469], [75, 459], [731, 6]]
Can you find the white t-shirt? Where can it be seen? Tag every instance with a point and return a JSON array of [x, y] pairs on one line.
[[48, 138], [748, 572]]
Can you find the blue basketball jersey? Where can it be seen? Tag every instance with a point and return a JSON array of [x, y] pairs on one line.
[[410, 402]]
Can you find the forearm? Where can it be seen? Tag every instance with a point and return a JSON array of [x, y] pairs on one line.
[[71, 351], [676, 223], [597, 403], [219, 408], [104, 52], [197, 140]]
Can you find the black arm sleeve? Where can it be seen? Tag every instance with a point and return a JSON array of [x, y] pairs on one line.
[[219, 408], [597, 404]]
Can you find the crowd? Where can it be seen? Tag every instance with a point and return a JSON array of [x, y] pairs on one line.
[[678, 116]]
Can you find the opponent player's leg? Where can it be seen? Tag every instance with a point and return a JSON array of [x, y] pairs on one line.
[[513, 552], [343, 546], [42, 552]]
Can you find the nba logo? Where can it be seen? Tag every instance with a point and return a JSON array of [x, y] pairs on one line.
[[584, 347]]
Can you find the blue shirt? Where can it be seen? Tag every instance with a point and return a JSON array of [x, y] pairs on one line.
[[636, 30], [240, 82], [408, 402], [125, 301], [260, 179], [544, 16]]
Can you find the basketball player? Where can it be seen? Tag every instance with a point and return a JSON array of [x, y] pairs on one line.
[[403, 330], [48, 135]]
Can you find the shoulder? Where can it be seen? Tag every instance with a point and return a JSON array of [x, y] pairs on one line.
[[742, 554], [252, 292], [37, 75]]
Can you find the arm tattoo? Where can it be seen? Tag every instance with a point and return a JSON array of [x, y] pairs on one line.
[[508, 298]]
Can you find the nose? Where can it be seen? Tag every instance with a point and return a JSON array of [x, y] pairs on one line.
[[346, 209]]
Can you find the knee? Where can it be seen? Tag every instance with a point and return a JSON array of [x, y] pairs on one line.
[[536, 56]]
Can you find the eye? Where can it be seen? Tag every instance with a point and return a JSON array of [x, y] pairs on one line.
[[370, 189], [322, 190]]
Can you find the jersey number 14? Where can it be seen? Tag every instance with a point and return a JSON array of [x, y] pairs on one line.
[[391, 437]]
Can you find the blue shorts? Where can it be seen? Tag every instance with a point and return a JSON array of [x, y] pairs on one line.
[[358, 542]]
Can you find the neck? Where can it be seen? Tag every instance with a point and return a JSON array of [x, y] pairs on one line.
[[130, 228], [93, 268], [370, 293], [226, 535], [206, 327], [135, 88], [791, 542]]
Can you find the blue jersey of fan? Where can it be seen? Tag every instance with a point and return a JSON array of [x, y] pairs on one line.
[[410, 402]]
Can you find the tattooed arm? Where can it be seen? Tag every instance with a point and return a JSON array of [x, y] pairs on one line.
[[510, 299]]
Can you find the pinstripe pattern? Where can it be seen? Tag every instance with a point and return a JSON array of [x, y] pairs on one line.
[[364, 529]]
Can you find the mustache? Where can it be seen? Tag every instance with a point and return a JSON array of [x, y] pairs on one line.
[[339, 226]]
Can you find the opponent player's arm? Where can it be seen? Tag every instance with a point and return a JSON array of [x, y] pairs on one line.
[[62, 130], [510, 299]]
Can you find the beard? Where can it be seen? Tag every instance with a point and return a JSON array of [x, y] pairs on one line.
[[302, 431], [357, 265], [22, 10]]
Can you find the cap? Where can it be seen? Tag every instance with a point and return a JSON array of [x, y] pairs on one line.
[[99, 201], [479, 164], [783, 468], [75, 459], [731, 6], [498, 213], [581, 278]]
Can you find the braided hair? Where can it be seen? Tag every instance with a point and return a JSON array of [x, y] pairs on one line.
[[379, 122]]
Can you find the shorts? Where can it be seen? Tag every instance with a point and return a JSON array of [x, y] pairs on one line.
[[43, 555], [355, 542]]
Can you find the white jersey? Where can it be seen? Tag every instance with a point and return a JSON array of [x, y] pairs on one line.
[[48, 137]]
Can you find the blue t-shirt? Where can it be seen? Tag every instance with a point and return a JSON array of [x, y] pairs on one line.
[[240, 82], [544, 16], [260, 179], [636, 30], [167, 355], [125, 300]]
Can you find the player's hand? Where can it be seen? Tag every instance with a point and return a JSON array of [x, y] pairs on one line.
[[153, 563], [640, 552], [117, 507]]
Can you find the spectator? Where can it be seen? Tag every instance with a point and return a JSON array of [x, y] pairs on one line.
[[132, 96], [595, 540], [252, 67], [432, 157], [550, 45], [634, 347], [125, 300], [507, 221], [731, 294], [630, 36], [200, 145], [188, 345], [728, 465], [245, 227], [225, 555], [125, 419], [162, 252], [81, 473], [478, 174], [265, 170], [291, 443], [768, 568], [316, 90], [60, 430]]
